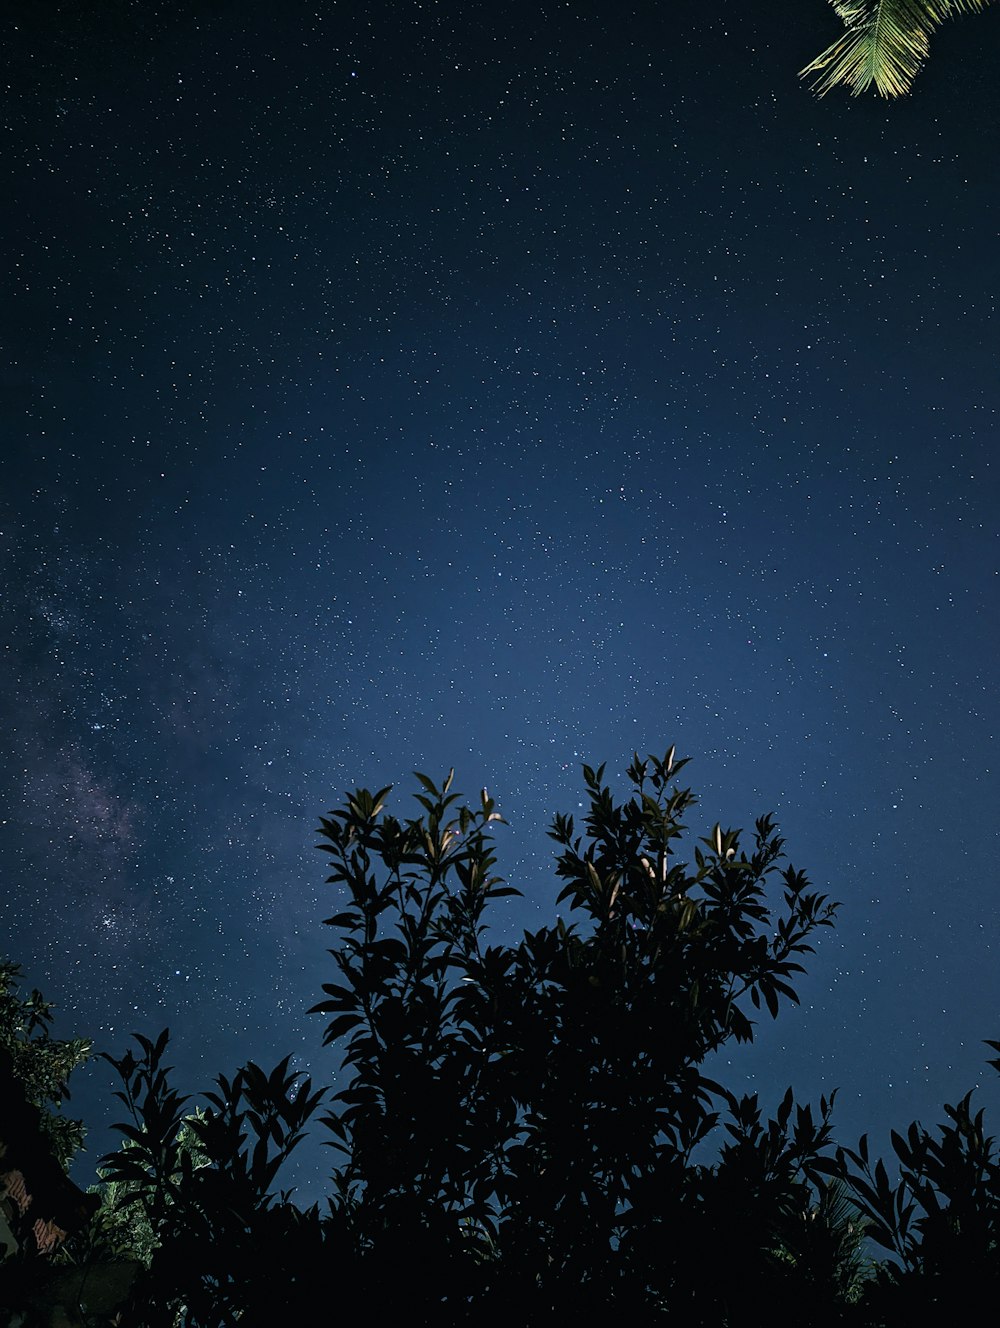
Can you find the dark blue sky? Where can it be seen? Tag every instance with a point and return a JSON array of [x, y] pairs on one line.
[[501, 387]]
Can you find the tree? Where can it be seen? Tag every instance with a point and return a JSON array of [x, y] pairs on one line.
[[527, 1130], [520, 1122], [39, 1204], [885, 43], [41, 1064]]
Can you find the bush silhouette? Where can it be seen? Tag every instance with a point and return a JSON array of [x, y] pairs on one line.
[[525, 1131]]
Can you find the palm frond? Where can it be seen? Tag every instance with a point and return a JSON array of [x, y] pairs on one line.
[[886, 43]]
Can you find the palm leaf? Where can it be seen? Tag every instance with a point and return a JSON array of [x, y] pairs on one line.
[[886, 43]]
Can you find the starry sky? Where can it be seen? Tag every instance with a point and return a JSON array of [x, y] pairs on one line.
[[413, 385]]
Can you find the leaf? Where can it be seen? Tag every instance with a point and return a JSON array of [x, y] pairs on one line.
[[901, 1148], [342, 920], [886, 43], [785, 1109]]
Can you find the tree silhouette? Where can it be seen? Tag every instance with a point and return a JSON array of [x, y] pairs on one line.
[[520, 1121], [525, 1130]]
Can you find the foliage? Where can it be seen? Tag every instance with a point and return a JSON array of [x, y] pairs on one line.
[[42, 1064], [525, 1131], [204, 1180], [520, 1121], [121, 1228], [885, 43], [940, 1221]]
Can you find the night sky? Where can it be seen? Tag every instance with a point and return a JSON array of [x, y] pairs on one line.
[[499, 386]]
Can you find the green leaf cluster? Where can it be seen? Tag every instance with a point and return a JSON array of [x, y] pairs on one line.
[[42, 1063], [885, 43]]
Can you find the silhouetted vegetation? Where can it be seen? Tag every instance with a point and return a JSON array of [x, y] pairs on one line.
[[526, 1132]]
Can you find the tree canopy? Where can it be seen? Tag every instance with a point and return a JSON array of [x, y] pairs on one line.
[[527, 1130]]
